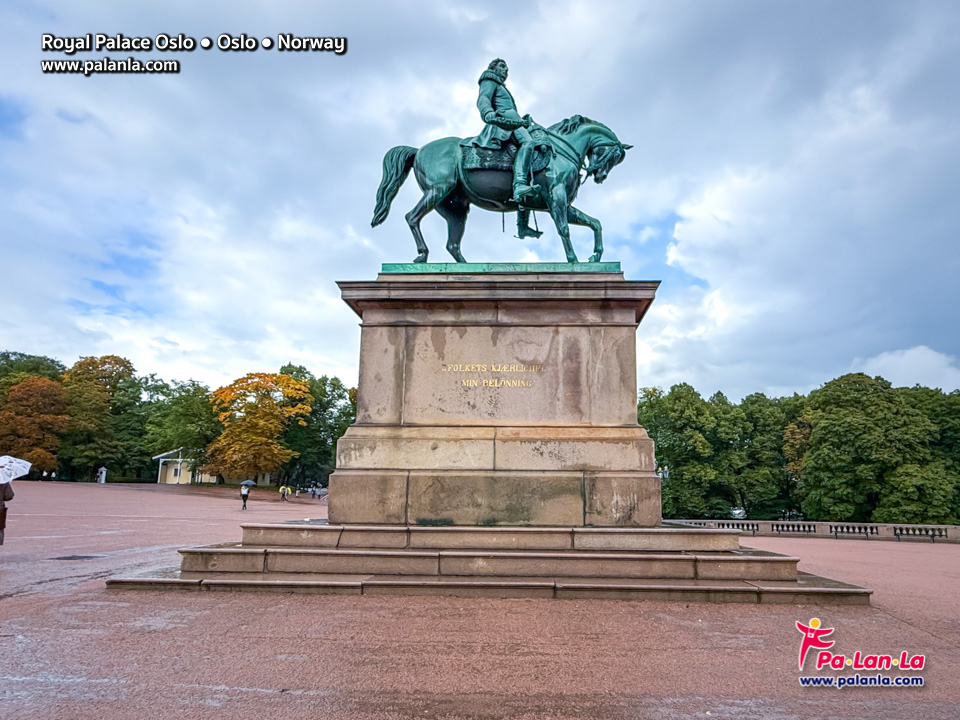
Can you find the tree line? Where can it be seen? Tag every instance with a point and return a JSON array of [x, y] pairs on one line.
[[854, 450], [101, 413]]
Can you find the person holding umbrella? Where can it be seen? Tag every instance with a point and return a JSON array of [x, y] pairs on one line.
[[245, 491], [10, 468]]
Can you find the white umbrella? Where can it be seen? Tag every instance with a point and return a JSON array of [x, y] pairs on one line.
[[11, 467]]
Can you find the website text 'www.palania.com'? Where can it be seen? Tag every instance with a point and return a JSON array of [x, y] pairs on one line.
[[109, 65], [851, 681], [180, 43], [815, 638]]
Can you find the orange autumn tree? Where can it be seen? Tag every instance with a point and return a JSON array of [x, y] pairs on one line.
[[254, 411], [32, 417]]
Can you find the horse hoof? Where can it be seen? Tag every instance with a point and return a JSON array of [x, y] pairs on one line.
[[572, 259], [594, 258], [421, 258]]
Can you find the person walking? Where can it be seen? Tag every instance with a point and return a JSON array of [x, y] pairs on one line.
[[244, 494], [283, 493], [6, 495]]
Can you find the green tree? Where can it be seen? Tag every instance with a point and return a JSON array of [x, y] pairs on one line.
[[764, 488], [727, 439], [943, 410], [917, 494], [105, 402], [15, 367], [107, 371], [254, 411], [32, 418], [862, 432], [40, 365], [183, 416], [333, 410], [678, 422], [89, 441]]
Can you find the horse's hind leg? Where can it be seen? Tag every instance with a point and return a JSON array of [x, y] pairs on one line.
[[577, 217], [431, 197], [454, 210]]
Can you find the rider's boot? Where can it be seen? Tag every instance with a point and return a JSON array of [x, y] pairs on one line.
[[523, 225], [521, 170]]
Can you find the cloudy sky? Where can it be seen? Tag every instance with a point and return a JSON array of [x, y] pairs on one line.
[[794, 181]]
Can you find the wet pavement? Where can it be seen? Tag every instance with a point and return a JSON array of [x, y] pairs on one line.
[[69, 648]]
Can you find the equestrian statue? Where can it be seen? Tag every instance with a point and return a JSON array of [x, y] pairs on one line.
[[514, 164]]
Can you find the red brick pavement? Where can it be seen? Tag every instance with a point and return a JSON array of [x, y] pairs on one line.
[[71, 649]]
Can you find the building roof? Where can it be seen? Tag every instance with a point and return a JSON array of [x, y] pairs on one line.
[[172, 455]]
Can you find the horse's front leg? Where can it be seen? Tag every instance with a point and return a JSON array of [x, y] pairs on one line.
[[558, 211], [578, 217]]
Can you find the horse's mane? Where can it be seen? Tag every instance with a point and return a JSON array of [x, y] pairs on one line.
[[573, 123]]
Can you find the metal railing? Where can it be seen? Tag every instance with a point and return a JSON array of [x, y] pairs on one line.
[[836, 530]]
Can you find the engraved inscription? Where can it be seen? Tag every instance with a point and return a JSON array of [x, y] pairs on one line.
[[491, 367], [494, 369]]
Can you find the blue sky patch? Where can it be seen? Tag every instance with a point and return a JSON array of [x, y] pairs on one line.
[[13, 115], [647, 260], [130, 265], [114, 291], [75, 118]]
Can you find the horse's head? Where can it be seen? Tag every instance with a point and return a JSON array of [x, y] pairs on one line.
[[603, 157], [595, 141]]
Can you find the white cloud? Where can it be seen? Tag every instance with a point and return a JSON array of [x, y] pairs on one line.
[[647, 233], [915, 366], [792, 180]]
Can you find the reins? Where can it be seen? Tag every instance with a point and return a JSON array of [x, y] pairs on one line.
[[571, 154]]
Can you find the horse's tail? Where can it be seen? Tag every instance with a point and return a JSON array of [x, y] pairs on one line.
[[396, 164]]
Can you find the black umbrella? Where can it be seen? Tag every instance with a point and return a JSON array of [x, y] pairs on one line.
[[248, 482]]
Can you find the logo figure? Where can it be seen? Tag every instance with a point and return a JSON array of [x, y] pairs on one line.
[[812, 638]]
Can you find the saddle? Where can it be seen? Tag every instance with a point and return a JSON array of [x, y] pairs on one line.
[[478, 158]]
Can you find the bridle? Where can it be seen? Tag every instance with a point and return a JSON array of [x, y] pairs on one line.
[[570, 153]]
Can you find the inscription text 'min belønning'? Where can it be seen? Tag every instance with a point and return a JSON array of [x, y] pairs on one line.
[[495, 382]]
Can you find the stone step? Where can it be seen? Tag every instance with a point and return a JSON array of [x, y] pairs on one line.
[[806, 589], [735, 565], [488, 538]]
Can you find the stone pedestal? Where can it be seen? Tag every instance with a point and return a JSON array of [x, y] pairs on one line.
[[502, 402], [502, 397]]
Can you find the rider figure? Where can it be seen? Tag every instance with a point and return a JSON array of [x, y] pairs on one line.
[[499, 111]]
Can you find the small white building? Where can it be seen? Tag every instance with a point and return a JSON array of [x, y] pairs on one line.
[[175, 469]]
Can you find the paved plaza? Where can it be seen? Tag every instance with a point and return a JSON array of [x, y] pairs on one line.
[[69, 648]]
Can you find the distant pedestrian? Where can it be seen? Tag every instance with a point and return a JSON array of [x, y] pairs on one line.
[[313, 491], [6, 495], [283, 493], [244, 494]]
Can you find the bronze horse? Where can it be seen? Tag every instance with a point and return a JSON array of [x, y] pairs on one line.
[[575, 144]]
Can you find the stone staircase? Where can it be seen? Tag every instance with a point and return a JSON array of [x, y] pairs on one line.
[[610, 563]]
